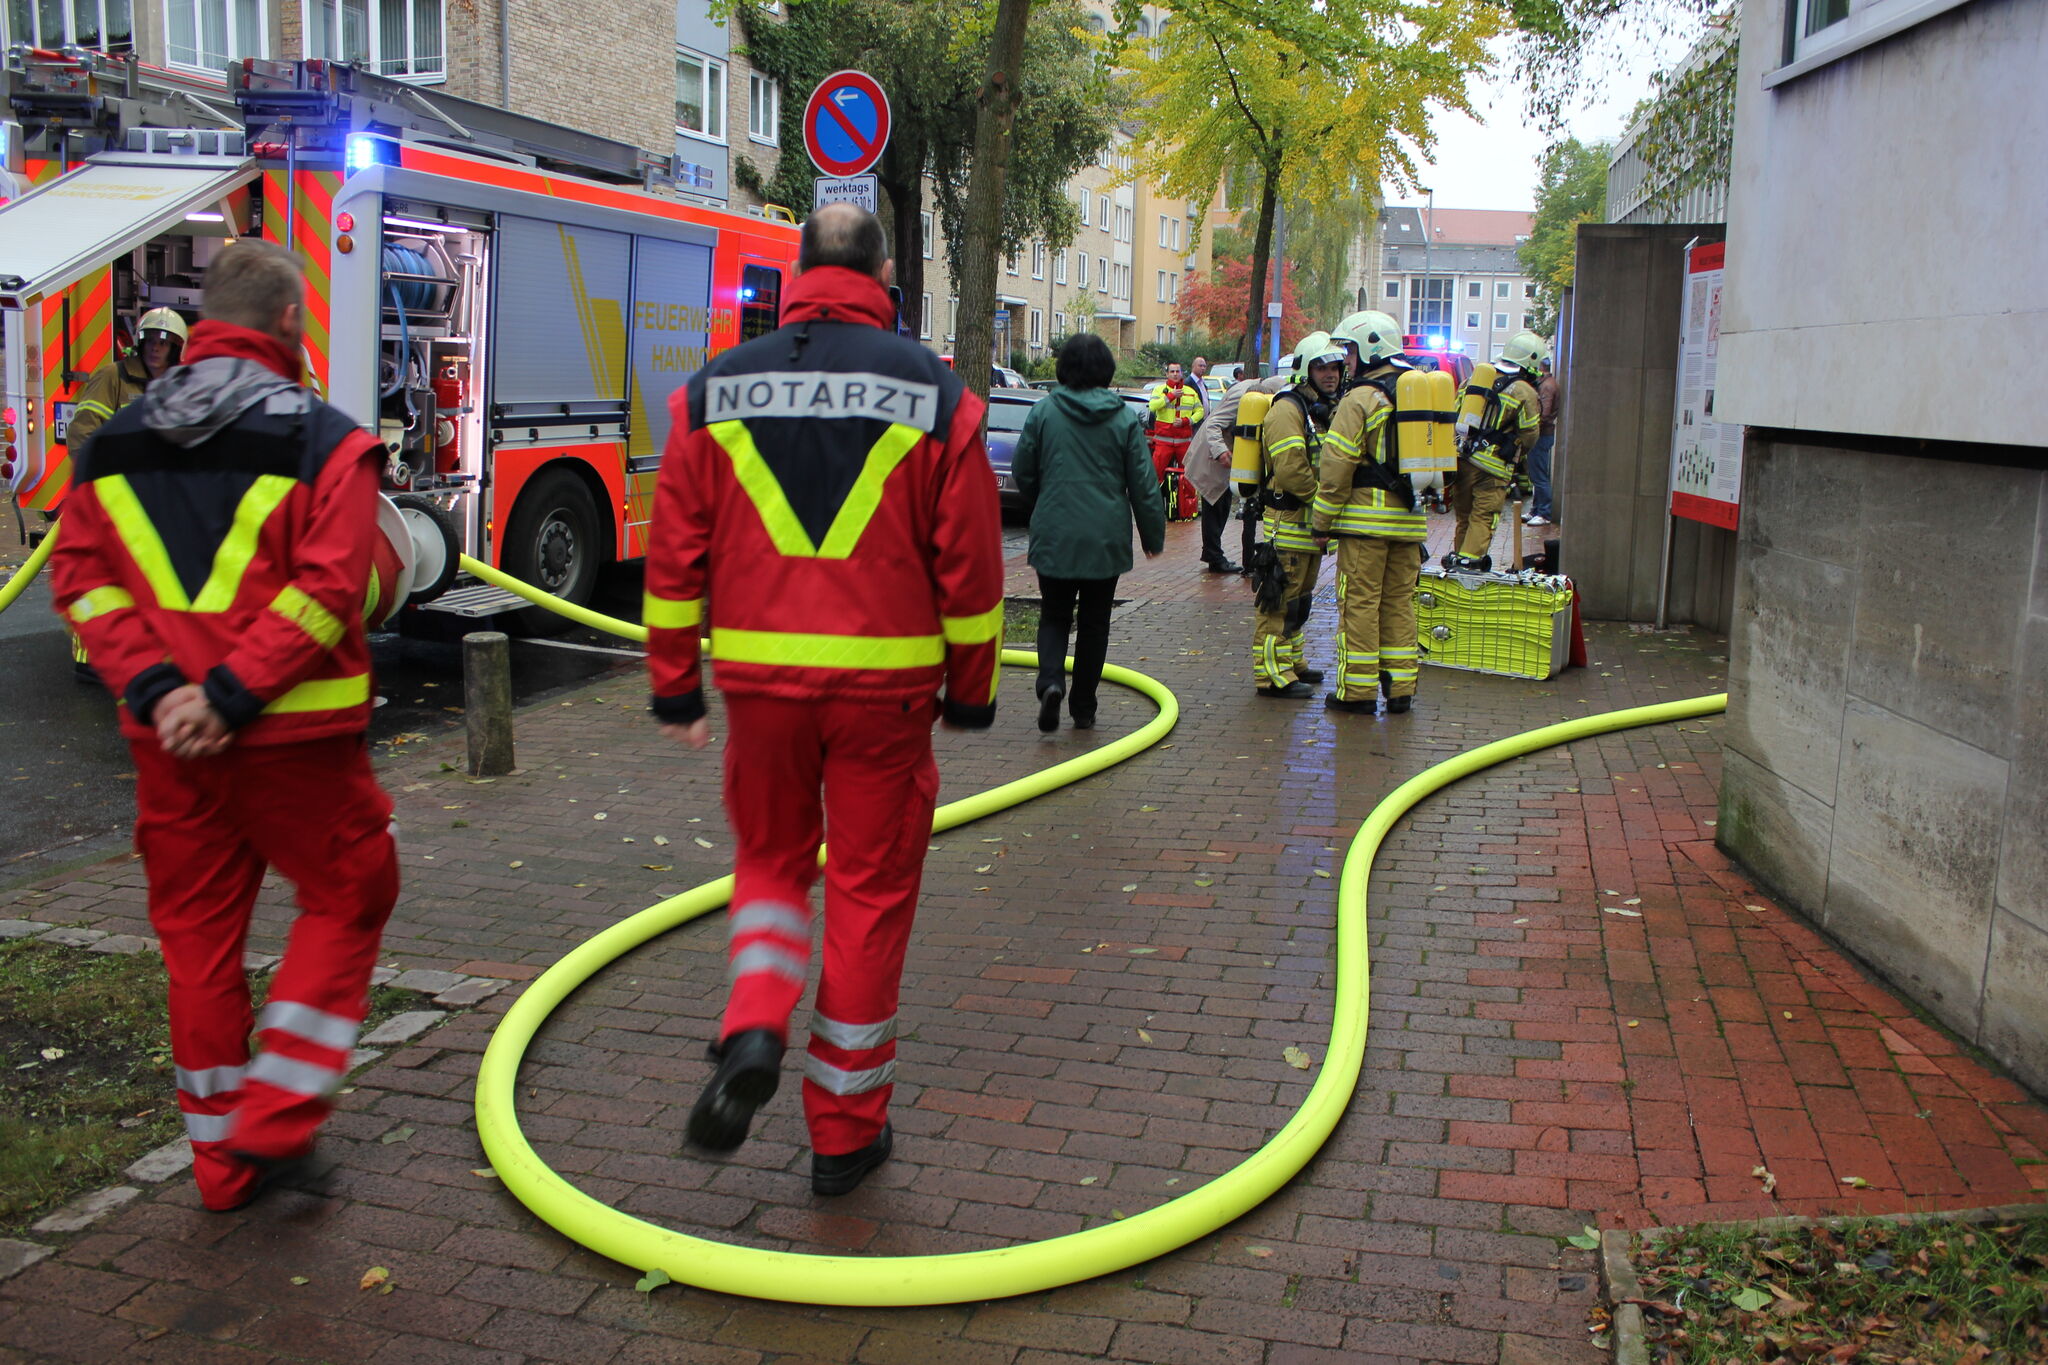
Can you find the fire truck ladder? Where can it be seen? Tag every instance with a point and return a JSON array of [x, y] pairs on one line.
[[75, 102], [313, 105]]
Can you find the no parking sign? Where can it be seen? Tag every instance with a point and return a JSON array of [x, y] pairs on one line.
[[846, 123]]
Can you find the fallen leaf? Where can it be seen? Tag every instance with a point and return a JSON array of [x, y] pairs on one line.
[[659, 867], [1148, 808], [51, 1054], [1856, 1182], [1587, 1239], [1088, 1179], [1296, 1058], [516, 864], [1635, 1023], [396, 1135], [652, 1280], [1617, 910], [1770, 1181], [1320, 873], [1144, 1037], [700, 841], [1132, 887], [1633, 900], [1523, 920], [301, 1279], [661, 839], [1261, 1252], [986, 867], [486, 1172], [373, 1277], [1749, 1300], [1754, 909], [600, 815]]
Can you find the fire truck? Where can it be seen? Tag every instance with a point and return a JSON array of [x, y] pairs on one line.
[[507, 303]]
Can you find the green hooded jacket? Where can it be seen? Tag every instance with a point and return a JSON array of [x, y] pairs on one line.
[[1083, 468]]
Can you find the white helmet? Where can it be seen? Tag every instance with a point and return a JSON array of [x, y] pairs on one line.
[[1317, 348], [165, 320], [1524, 351], [1376, 335]]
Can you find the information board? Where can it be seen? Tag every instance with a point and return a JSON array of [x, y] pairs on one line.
[[1706, 455]]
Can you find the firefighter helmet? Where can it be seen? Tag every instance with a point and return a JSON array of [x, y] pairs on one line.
[[1376, 335], [1524, 351], [1317, 348], [166, 321]]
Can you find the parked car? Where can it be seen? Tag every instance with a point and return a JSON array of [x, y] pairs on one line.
[[1000, 376], [1007, 408]]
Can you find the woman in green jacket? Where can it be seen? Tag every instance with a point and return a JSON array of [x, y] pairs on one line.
[[1082, 466]]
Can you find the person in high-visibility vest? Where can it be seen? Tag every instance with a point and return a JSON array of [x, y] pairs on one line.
[[1176, 407], [826, 505], [216, 559], [1493, 455]]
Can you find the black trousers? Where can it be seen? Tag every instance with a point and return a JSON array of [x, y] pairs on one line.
[[1056, 616], [1215, 516]]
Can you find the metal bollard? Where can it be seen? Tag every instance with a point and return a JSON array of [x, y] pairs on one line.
[[487, 701]]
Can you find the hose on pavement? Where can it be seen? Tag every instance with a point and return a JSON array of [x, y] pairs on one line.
[[30, 567]]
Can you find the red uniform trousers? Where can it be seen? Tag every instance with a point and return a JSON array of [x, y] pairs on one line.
[[206, 828], [873, 762]]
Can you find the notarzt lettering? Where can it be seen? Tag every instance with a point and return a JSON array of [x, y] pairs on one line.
[[791, 394]]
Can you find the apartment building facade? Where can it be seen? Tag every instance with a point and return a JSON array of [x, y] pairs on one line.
[[1455, 274]]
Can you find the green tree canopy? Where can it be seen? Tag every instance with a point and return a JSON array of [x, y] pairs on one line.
[[1573, 190]]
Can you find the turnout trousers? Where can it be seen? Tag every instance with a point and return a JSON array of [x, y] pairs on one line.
[[1276, 635], [1477, 498], [207, 828], [1376, 580], [864, 772]]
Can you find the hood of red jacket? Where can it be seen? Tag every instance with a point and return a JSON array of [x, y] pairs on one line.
[[211, 340], [832, 293]]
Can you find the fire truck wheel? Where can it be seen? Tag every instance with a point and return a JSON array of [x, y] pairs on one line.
[[553, 542], [436, 541]]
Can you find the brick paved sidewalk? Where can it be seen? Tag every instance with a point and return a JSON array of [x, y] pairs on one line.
[[1580, 1013]]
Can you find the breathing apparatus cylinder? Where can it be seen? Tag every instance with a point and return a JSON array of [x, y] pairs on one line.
[[1425, 441], [1478, 397], [1247, 450]]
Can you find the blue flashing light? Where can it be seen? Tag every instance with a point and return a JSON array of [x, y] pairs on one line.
[[1436, 343], [365, 151], [747, 294]]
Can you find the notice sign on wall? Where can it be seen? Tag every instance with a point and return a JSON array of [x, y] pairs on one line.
[[1706, 455]]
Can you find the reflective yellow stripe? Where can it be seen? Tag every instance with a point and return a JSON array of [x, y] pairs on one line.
[[139, 538], [238, 546], [974, 630], [794, 650], [780, 519], [371, 597], [99, 602], [670, 613], [93, 405], [302, 611], [323, 694]]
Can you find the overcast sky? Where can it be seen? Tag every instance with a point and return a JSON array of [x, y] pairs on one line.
[[1491, 163]]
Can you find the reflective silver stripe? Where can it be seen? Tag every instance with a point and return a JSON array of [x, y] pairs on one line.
[[209, 1081], [770, 915], [208, 1127], [840, 1081], [288, 1073], [315, 1026], [852, 1037], [766, 957]]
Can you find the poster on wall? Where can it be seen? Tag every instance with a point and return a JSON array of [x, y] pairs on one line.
[[1706, 455]]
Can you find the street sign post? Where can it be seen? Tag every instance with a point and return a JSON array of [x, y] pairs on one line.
[[863, 190], [846, 124]]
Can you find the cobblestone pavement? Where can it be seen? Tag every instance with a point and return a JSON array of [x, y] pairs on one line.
[[1580, 1013]]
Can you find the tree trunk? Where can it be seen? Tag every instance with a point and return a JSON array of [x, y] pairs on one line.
[[981, 237], [1262, 247], [901, 174]]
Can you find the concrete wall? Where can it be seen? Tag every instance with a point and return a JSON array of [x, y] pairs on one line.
[[1613, 461], [1887, 739], [1885, 210]]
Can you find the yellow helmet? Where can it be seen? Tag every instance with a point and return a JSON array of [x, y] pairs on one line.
[[1524, 351], [1317, 348], [1376, 335], [165, 320]]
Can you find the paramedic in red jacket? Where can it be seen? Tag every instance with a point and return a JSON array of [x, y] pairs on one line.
[[215, 560], [826, 505]]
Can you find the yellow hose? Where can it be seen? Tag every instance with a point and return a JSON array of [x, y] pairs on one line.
[[908, 1281], [30, 567]]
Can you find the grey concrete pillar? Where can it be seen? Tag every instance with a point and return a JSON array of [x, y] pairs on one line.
[[487, 701]]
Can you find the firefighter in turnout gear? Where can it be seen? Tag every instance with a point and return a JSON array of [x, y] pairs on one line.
[[1366, 504], [216, 558], [1293, 437], [827, 507], [1494, 452]]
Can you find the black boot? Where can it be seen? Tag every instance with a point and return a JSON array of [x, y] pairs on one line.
[[1222, 566], [1362, 706], [1049, 708], [1294, 691], [842, 1174], [749, 1069], [1398, 706], [1311, 676]]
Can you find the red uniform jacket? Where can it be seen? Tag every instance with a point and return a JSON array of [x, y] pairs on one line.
[[219, 531], [826, 504]]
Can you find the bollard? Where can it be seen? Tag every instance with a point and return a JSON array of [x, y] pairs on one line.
[[487, 701]]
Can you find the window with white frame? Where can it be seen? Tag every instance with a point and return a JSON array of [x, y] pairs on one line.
[[1102, 211], [952, 317], [1393, 289], [1500, 289], [1528, 321], [1081, 268], [1162, 229], [1059, 324], [1177, 226], [404, 38], [1500, 322], [700, 95], [924, 232], [1037, 327], [1159, 286], [924, 319], [1038, 260], [1159, 333], [1102, 274], [1820, 31], [1011, 264], [1084, 207], [108, 25], [764, 108], [1059, 266], [1472, 322], [1528, 291], [1472, 290]]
